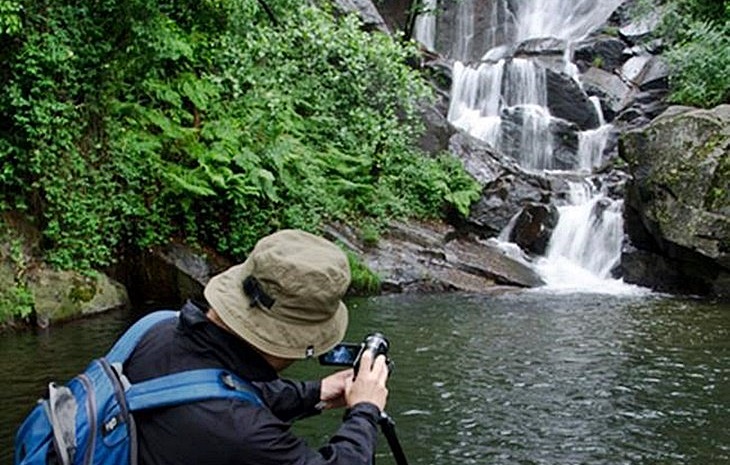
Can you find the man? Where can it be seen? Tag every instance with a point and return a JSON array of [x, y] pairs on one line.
[[283, 304]]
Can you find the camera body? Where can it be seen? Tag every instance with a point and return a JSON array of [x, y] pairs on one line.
[[349, 354]]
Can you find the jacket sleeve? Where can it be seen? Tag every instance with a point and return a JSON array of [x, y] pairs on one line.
[[268, 441], [291, 400]]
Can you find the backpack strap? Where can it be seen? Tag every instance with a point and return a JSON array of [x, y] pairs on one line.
[[190, 386], [123, 348]]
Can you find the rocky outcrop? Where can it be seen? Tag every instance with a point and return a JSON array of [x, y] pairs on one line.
[[678, 201], [432, 257]]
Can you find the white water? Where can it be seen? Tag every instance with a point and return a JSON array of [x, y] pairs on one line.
[[563, 19], [586, 244], [424, 31], [490, 99]]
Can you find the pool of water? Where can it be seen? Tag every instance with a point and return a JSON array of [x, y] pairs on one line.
[[519, 378]]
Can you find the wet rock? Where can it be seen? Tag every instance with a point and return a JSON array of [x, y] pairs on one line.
[[432, 257], [603, 52], [568, 101], [533, 227], [565, 142], [167, 276], [557, 141], [541, 46], [613, 93], [479, 158], [439, 131], [395, 13], [504, 198]]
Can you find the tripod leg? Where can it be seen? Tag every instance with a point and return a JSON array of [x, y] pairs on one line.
[[387, 425]]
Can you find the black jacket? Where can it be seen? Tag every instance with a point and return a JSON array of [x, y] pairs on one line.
[[225, 431]]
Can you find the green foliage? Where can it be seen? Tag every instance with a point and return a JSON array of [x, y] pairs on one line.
[[370, 234], [364, 280], [16, 302], [10, 21], [697, 35], [701, 65], [125, 123]]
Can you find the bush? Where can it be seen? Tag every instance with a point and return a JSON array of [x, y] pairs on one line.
[[697, 35], [701, 65], [128, 122]]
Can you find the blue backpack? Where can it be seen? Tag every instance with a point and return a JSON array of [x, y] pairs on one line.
[[89, 421]]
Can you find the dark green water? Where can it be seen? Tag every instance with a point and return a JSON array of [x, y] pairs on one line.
[[524, 378]]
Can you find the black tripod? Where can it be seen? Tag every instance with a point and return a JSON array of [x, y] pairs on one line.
[[387, 426]]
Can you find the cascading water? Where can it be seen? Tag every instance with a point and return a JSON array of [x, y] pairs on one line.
[[586, 243], [503, 100], [568, 20], [425, 27]]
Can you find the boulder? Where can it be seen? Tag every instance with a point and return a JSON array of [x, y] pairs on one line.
[[504, 198], [604, 52], [568, 101], [366, 11], [533, 227], [613, 93], [65, 295], [640, 28], [678, 200], [479, 159]]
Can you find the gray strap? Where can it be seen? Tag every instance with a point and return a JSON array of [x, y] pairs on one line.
[[62, 411]]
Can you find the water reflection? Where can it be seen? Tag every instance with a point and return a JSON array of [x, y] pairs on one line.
[[522, 378]]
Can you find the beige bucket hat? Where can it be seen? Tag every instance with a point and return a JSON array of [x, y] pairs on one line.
[[286, 298]]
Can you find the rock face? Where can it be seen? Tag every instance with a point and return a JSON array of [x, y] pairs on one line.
[[678, 202], [429, 257]]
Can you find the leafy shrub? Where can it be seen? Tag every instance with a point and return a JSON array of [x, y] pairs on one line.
[[697, 34], [701, 65], [364, 280], [128, 122]]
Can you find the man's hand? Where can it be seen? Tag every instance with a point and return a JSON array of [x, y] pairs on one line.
[[369, 386], [332, 390]]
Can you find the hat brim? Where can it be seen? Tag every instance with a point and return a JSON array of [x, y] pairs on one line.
[[261, 328]]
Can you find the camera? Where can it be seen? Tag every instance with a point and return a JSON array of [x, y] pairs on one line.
[[349, 354]]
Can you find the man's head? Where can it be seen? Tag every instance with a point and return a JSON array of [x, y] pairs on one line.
[[286, 298]]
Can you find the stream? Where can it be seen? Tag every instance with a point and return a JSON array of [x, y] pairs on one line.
[[531, 377]]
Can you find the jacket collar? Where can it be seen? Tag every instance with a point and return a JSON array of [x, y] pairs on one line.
[[213, 342]]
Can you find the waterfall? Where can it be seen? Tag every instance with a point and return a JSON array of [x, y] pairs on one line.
[[587, 239], [503, 100], [464, 28], [424, 31], [562, 19]]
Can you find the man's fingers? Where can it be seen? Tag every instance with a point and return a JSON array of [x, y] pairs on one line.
[[380, 368]]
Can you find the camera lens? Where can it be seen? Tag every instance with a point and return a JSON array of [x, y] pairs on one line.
[[377, 344]]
